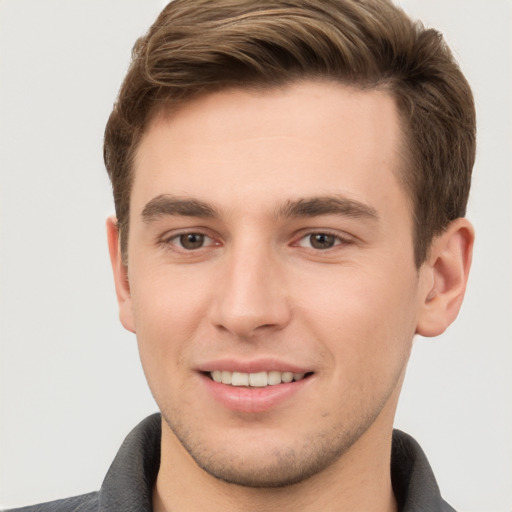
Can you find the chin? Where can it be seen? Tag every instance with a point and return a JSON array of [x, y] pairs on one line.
[[263, 460], [277, 474]]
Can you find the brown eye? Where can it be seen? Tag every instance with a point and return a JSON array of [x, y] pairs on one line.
[[322, 240], [191, 241]]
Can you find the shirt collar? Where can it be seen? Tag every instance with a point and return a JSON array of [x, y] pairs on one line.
[[129, 483]]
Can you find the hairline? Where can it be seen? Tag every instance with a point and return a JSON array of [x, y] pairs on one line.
[[169, 106]]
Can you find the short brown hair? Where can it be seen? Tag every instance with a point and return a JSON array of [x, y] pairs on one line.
[[198, 46]]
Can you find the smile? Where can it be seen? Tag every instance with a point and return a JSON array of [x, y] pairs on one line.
[[257, 380], [257, 391]]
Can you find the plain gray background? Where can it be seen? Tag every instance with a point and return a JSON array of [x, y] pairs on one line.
[[71, 384]]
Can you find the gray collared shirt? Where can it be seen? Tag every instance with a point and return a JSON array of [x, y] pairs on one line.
[[129, 482]]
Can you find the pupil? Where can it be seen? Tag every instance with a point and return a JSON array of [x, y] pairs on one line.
[[192, 241], [322, 241]]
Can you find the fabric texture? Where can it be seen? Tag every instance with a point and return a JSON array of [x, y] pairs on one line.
[[129, 481]]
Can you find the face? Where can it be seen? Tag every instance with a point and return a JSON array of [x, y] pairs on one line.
[[272, 284]]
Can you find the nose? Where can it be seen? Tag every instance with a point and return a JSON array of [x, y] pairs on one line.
[[252, 294]]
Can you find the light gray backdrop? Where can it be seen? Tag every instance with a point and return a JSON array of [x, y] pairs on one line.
[[71, 385]]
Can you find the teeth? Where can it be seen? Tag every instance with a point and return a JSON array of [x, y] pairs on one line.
[[257, 380], [287, 377], [240, 379], [274, 378]]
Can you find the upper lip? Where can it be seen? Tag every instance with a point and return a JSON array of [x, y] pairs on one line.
[[252, 366]]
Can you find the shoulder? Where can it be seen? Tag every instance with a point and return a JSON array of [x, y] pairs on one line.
[[83, 503], [414, 483]]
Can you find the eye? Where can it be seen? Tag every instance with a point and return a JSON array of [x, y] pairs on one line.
[[191, 241], [320, 241]]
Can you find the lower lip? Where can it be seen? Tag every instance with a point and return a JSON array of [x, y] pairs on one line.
[[253, 400]]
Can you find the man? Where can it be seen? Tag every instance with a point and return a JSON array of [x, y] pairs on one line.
[[290, 181]]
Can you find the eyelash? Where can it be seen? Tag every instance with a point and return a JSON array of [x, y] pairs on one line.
[[337, 239], [176, 243], [171, 241]]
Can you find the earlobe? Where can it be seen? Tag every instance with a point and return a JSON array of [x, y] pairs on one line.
[[445, 273], [120, 271]]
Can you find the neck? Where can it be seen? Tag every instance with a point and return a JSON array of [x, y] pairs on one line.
[[359, 480]]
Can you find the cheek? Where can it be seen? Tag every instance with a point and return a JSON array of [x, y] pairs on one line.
[[164, 297], [360, 316], [167, 311]]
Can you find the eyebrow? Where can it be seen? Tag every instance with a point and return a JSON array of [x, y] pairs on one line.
[[166, 204], [327, 205]]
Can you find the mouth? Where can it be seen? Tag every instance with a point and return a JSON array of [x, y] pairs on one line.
[[260, 379], [257, 386]]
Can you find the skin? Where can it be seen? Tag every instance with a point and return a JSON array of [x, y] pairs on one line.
[[235, 167]]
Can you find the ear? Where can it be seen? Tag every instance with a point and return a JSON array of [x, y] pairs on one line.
[[445, 274], [120, 276]]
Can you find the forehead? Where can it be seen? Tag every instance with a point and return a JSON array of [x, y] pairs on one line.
[[244, 148]]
